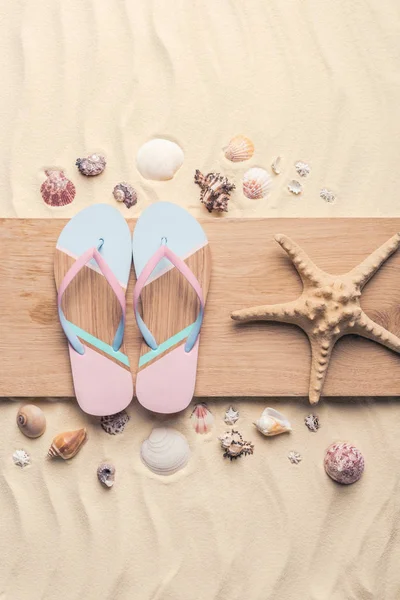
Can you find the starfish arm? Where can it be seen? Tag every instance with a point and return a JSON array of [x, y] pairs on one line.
[[365, 270], [367, 328], [307, 270], [321, 351], [284, 313]]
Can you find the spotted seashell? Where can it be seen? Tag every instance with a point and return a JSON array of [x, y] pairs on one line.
[[92, 165], [295, 187], [113, 424], [57, 190], [106, 474], [123, 192], [31, 420], [272, 423], [240, 148], [66, 445], [256, 183], [159, 159], [344, 463]]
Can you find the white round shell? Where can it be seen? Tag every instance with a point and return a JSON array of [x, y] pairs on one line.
[[256, 183], [165, 451], [159, 159]]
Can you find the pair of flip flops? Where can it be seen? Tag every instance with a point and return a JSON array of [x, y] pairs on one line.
[[92, 266]]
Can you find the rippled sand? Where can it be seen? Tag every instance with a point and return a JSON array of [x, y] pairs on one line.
[[312, 80]]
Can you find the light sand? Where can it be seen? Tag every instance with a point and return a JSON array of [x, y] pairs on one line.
[[311, 80]]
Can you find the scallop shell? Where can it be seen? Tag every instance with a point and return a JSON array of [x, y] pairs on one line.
[[276, 165], [159, 159], [92, 165], [21, 458], [67, 444], [272, 423], [202, 419], [231, 416], [295, 187], [344, 463], [256, 183], [57, 190], [240, 148], [123, 192], [165, 452], [106, 474], [31, 420]]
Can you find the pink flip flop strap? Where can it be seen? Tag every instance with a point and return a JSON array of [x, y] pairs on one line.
[[165, 252], [92, 253]]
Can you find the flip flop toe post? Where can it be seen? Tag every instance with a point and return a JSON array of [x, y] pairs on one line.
[[92, 265]]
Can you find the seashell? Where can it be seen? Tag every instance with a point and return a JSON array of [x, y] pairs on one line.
[[67, 444], [302, 168], [159, 159], [165, 451], [234, 446], [312, 422], [294, 457], [295, 187], [123, 192], [327, 195], [240, 148], [57, 190], [272, 422], [344, 463], [256, 183], [92, 165], [31, 420], [21, 458], [106, 474], [231, 416], [202, 418], [114, 424], [215, 190], [276, 165]]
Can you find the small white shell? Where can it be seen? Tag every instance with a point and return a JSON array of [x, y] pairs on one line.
[[327, 195], [272, 422], [294, 457], [256, 183], [302, 168], [106, 474], [165, 452], [240, 148], [201, 418], [276, 165], [159, 159], [231, 416], [295, 187], [21, 458]]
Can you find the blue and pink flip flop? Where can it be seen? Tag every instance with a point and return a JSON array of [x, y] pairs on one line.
[[91, 266], [172, 261]]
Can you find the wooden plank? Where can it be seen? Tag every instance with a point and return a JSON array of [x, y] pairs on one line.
[[248, 268]]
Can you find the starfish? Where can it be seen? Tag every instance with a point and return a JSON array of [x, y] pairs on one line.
[[328, 308]]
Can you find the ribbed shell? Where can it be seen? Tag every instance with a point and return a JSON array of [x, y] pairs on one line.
[[256, 183], [165, 452], [66, 445], [57, 190], [240, 148], [201, 418]]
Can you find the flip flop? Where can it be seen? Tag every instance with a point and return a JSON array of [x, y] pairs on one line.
[[172, 261], [91, 267]]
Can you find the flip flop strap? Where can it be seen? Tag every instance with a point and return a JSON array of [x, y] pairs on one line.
[[92, 253], [165, 252]]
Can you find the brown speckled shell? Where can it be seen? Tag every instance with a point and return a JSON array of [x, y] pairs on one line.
[[57, 190], [92, 165], [344, 463]]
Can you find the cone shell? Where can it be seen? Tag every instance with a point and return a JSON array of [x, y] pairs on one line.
[[31, 420], [344, 463], [201, 418], [165, 452], [66, 445], [256, 183], [240, 148], [272, 423]]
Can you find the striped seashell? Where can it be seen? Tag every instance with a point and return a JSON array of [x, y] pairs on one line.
[[165, 451], [57, 190], [240, 148], [66, 445], [256, 183]]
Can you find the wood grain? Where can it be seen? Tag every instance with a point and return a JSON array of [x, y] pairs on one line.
[[248, 268]]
